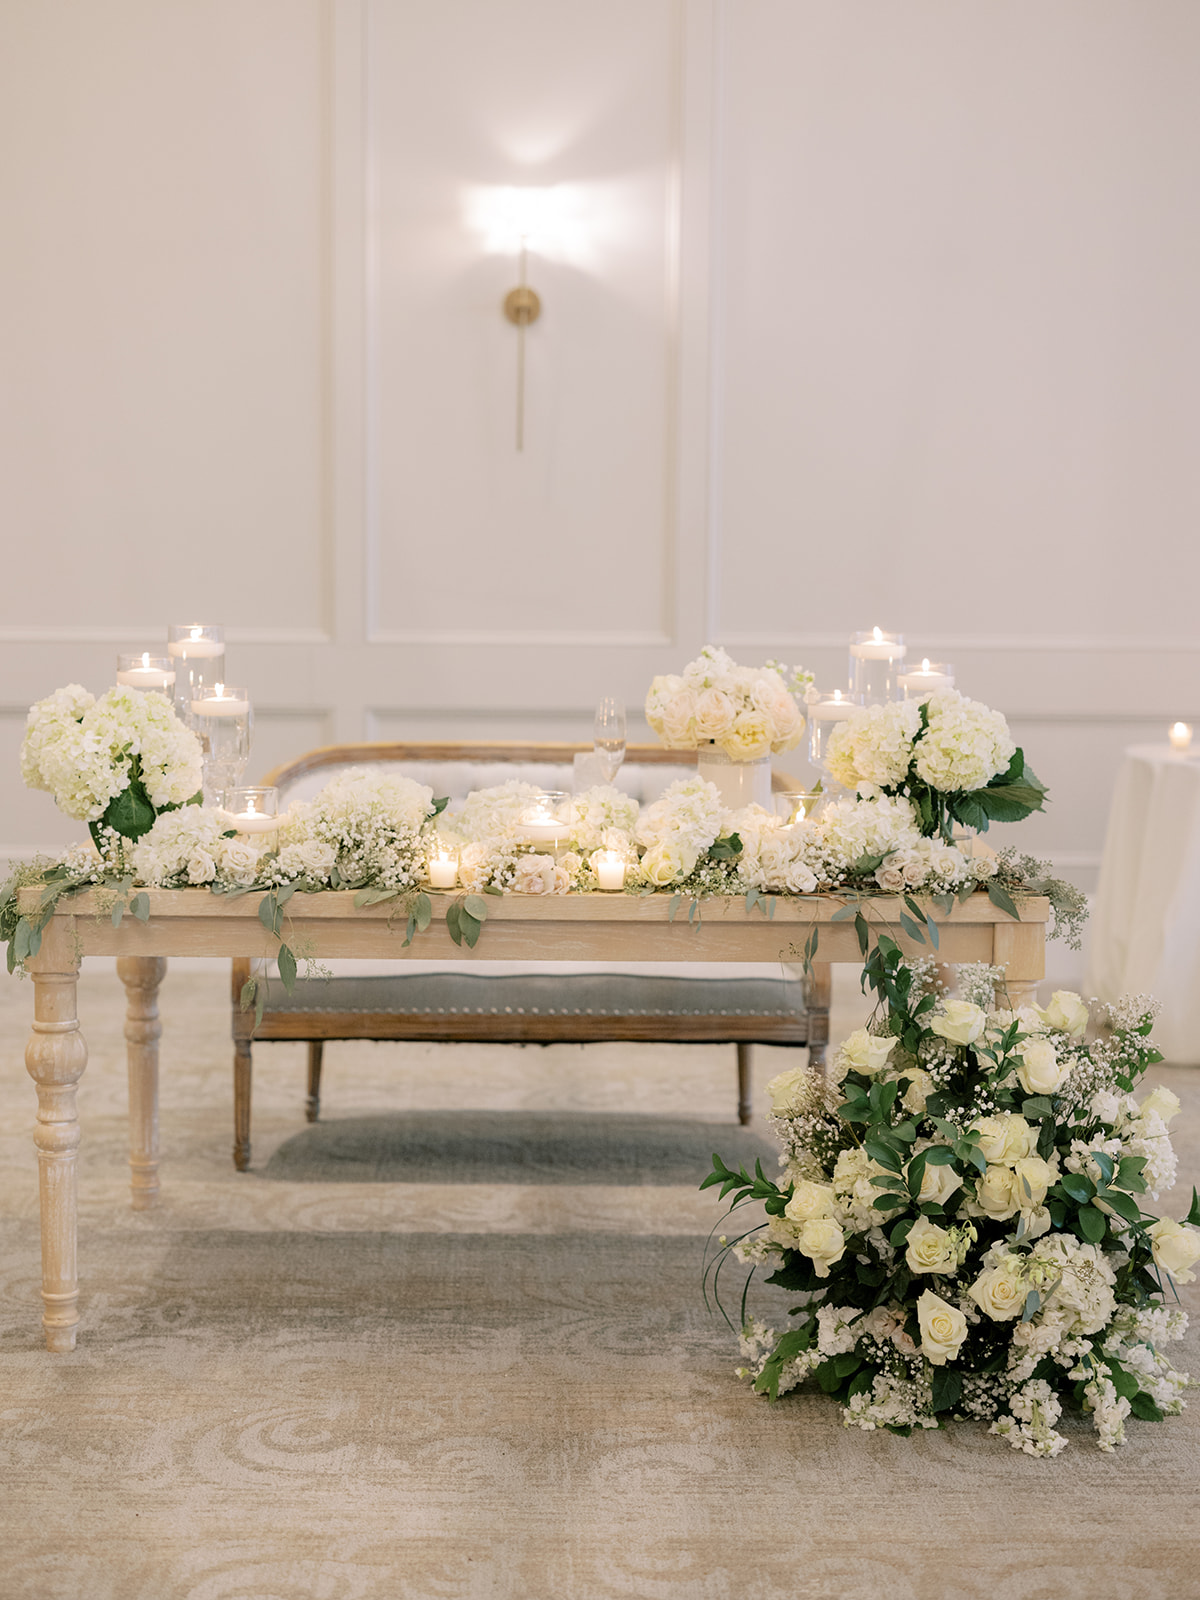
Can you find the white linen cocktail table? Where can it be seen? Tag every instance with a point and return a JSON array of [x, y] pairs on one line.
[[593, 927]]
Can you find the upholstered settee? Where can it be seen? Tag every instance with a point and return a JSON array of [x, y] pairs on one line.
[[506, 1003]]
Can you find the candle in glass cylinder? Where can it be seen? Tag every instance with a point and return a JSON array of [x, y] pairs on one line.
[[195, 642], [544, 822], [443, 869], [252, 810], [1180, 736], [222, 702], [921, 682], [144, 671], [874, 658]]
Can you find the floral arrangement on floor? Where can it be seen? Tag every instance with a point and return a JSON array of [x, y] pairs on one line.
[[953, 757], [960, 1219], [748, 712]]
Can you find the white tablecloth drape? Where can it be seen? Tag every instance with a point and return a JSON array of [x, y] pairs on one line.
[[1146, 917]]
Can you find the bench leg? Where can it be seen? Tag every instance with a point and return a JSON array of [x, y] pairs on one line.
[[312, 1106], [743, 1060], [820, 998], [241, 1104]]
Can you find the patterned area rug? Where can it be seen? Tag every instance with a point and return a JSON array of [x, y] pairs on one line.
[[478, 1383]]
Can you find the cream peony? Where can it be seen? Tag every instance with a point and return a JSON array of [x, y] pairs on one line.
[[1040, 1071], [943, 1328], [930, 1248], [999, 1292], [1006, 1137], [1176, 1248], [1066, 1013], [749, 738], [823, 1242], [959, 1021], [714, 714]]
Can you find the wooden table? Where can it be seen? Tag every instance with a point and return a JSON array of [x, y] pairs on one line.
[[593, 927]]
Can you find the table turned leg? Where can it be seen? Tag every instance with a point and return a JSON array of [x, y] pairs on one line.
[[55, 1058], [141, 976]]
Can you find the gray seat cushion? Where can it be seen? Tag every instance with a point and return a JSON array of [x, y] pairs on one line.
[[584, 995]]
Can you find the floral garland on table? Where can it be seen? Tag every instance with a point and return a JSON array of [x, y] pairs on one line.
[[960, 1217], [953, 757], [749, 712]]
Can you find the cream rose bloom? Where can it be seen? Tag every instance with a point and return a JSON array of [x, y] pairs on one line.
[[960, 1022], [678, 717], [1005, 1138], [535, 875], [664, 863], [1031, 1178], [809, 1200], [201, 868], [790, 1090], [996, 1194], [1066, 1013], [1040, 1071], [920, 1087], [943, 1328], [1176, 1248], [714, 714], [938, 1184], [823, 1242], [865, 1052], [1162, 1100], [930, 1248], [749, 737], [999, 1292], [239, 861]]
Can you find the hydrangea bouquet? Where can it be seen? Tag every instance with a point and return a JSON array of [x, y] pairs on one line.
[[961, 1219], [953, 757], [114, 763], [747, 712]]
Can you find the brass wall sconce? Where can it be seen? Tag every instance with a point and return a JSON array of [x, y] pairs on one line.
[[522, 306]]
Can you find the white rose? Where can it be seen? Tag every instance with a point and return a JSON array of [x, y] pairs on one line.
[[201, 868], [1040, 1071], [999, 1292], [714, 714], [790, 1090], [938, 1184], [960, 1022], [239, 861], [866, 1052], [678, 714], [1162, 1100], [943, 1328], [823, 1242], [1031, 1178], [890, 878], [930, 1248], [809, 1200], [749, 737], [920, 1087], [1037, 1222], [1176, 1248], [1066, 1013], [665, 863], [534, 875], [1005, 1138], [995, 1193]]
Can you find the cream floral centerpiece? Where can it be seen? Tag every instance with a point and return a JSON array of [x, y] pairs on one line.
[[959, 1224], [729, 714]]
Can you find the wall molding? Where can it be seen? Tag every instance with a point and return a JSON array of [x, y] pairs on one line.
[[127, 633], [978, 643]]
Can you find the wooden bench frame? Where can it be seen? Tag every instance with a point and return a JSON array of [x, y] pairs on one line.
[[315, 1028]]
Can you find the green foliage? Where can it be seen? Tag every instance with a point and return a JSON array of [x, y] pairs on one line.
[[464, 919]]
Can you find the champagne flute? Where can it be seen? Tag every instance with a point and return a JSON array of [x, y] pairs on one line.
[[608, 740]]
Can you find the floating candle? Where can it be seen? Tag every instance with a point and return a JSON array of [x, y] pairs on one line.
[[145, 671], [1180, 736]]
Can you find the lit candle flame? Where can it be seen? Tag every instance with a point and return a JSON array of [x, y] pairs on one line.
[[197, 633], [837, 694], [878, 636], [252, 809], [1181, 730], [925, 664], [145, 658], [220, 690]]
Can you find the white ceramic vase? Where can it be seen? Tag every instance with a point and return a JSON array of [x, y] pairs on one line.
[[740, 783]]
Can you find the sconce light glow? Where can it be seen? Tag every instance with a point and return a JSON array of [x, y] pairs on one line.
[[548, 221]]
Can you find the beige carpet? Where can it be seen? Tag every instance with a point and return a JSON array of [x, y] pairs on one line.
[[353, 1373]]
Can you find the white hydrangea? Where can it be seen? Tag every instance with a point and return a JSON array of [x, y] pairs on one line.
[[874, 746], [82, 749], [965, 746], [187, 849], [680, 825], [491, 813], [598, 811]]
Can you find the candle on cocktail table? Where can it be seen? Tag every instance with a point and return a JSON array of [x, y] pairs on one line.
[[1180, 736], [252, 810], [443, 869], [609, 867], [921, 682], [144, 671]]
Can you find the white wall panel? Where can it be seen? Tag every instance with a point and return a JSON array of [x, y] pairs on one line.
[[478, 115], [163, 174]]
